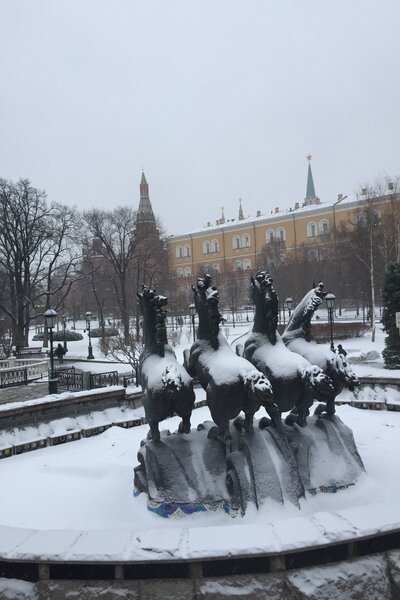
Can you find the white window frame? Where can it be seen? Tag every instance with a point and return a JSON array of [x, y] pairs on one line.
[[186, 250], [246, 264], [206, 247], [178, 252], [236, 242], [309, 229], [321, 226], [270, 236], [179, 272], [215, 268], [237, 265], [246, 240], [187, 272], [280, 234], [215, 246]]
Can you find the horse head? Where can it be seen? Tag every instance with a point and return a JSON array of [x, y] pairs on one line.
[[154, 315], [300, 321], [266, 303]]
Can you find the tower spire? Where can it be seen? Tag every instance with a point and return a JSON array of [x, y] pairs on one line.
[[311, 197], [241, 217], [145, 212]]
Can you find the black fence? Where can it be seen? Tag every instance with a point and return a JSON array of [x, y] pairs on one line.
[[69, 380], [100, 380], [13, 377]]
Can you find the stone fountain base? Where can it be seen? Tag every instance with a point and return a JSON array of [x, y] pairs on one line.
[[198, 472]]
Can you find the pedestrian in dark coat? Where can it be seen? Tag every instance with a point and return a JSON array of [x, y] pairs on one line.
[[59, 352]]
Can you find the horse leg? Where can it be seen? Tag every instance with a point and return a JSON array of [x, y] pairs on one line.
[[154, 433], [184, 425], [248, 422]]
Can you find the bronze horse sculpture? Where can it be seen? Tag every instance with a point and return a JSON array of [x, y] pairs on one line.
[[166, 385], [295, 381], [298, 338], [232, 383]]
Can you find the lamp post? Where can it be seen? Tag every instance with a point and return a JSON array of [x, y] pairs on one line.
[[289, 304], [330, 303], [50, 320], [192, 311], [64, 320], [88, 316]]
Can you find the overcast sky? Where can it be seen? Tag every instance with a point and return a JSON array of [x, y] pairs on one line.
[[216, 99]]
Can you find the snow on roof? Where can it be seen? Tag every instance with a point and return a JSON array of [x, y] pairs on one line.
[[275, 216]]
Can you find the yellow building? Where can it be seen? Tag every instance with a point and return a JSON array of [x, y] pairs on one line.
[[237, 244]]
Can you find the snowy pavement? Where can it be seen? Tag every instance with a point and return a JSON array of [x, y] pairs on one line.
[[75, 501]]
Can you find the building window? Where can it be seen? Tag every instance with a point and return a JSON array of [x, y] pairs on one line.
[[178, 252], [270, 236], [236, 242], [280, 234], [313, 255], [206, 247], [188, 272], [215, 268], [246, 264], [206, 269], [179, 272], [245, 241], [215, 246], [311, 229], [237, 265], [323, 227], [186, 250]]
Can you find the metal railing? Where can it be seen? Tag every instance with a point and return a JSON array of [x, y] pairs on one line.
[[99, 380], [69, 380], [13, 376]]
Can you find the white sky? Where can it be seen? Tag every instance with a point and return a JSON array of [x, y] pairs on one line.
[[217, 99]]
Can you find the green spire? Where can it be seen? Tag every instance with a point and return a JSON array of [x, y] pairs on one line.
[[310, 192]]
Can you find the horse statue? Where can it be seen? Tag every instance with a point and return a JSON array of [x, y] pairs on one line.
[[232, 384], [295, 381], [166, 386], [298, 338]]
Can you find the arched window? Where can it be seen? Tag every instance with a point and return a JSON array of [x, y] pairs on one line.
[[215, 267], [323, 227], [270, 236], [313, 255], [179, 272], [206, 269], [188, 272], [206, 247], [215, 246], [245, 241], [246, 264], [238, 265], [312, 229], [186, 250], [178, 252], [236, 242], [280, 234]]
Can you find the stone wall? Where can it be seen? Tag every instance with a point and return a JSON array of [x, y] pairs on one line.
[[375, 577]]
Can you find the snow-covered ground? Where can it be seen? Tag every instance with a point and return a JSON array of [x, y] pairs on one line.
[[88, 485], [76, 500]]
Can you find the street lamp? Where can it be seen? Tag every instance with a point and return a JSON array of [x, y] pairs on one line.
[[330, 303], [88, 316], [192, 311], [64, 321], [50, 320], [289, 304]]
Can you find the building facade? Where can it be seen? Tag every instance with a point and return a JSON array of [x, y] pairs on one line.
[[237, 244]]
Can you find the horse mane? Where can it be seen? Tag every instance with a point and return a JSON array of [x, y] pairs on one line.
[[300, 320], [261, 285], [154, 316], [206, 299]]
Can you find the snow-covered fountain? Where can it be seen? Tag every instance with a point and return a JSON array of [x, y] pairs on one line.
[[234, 462]]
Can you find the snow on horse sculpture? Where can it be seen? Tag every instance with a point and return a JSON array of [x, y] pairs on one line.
[[232, 383], [295, 381], [298, 338], [167, 387]]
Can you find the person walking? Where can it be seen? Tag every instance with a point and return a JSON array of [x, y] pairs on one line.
[[59, 352]]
